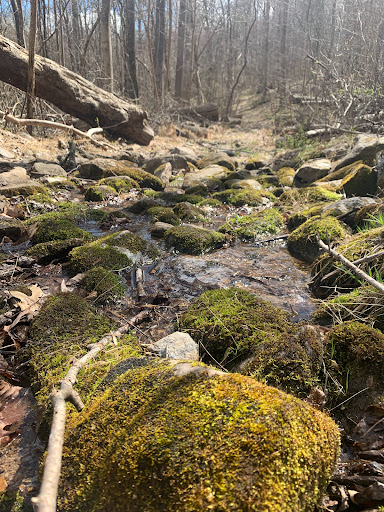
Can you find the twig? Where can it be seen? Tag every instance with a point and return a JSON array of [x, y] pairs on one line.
[[58, 126], [348, 399], [46, 500], [351, 266], [139, 283]]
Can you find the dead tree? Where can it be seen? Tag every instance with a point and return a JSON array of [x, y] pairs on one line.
[[74, 94]]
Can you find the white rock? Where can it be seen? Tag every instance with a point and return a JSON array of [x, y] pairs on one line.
[[178, 345]]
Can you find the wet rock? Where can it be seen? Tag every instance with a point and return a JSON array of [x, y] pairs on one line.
[[11, 228], [221, 159], [163, 214], [99, 193], [191, 240], [312, 171], [204, 176], [237, 423], [164, 172], [188, 212], [361, 181], [178, 345], [41, 169]]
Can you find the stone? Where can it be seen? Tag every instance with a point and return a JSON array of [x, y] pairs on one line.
[[160, 228], [221, 159], [178, 345], [286, 159], [41, 169], [164, 172], [362, 181], [99, 193], [365, 149], [4, 153], [254, 163], [177, 162], [187, 152], [16, 182], [311, 171], [11, 228], [246, 184], [347, 208], [203, 176]]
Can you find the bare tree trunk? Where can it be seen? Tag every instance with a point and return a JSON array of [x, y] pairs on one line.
[[150, 53], [106, 45], [168, 68], [265, 67], [130, 48], [283, 51], [74, 94], [31, 62], [19, 21], [159, 45], [180, 50]]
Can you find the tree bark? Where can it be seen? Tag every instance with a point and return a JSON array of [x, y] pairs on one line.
[[19, 22], [74, 94], [130, 48], [106, 44], [180, 50], [31, 62]]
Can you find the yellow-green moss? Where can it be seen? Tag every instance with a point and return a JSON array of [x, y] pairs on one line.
[[361, 181], [191, 240], [308, 195], [70, 211], [285, 176], [176, 437], [239, 197], [231, 322], [189, 213], [198, 190], [340, 173], [108, 285], [143, 178], [298, 218], [120, 183], [23, 190], [47, 251], [303, 240], [174, 198], [99, 193], [249, 227], [254, 163], [58, 229], [163, 214]]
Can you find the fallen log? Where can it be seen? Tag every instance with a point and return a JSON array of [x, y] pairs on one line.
[[74, 94], [209, 111]]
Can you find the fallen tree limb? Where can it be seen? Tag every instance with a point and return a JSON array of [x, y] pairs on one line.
[[351, 266], [74, 94], [140, 283], [58, 126], [46, 500]]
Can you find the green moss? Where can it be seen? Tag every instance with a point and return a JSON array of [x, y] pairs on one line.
[[163, 214], [361, 181], [69, 211], [254, 447], [254, 163], [285, 176], [143, 178], [13, 501], [58, 229], [191, 240], [230, 323], [249, 227], [267, 180], [107, 285], [142, 205], [210, 202], [298, 218], [173, 198], [303, 240], [365, 217], [24, 190], [198, 190], [137, 247], [99, 193], [308, 195], [189, 213], [340, 173], [47, 251], [239, 197], [120, 183]]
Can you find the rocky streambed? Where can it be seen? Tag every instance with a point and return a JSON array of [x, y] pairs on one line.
[[219, 247]]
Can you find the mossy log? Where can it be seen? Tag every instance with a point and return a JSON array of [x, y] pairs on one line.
[[74, 94]]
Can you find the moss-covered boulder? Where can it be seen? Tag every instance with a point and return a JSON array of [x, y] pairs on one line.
[[56, 249], [187, 212], [254, 163], [361, 181], [308, 195], [115, 252], [11, 228], [104, 167], [340, 173], [51, 229], [285, 176], [207, 176], [105, 283], [100, 193], [221, 159], [254, 447], [239, 197], [329, 276], [251, 184], [249, 227], [303, 240], [173, 198], [296, 219], [163, 214], [143, 204], [191, 240], [120, 183]]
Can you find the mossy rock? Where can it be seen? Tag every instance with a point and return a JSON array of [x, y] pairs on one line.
[[358, 350], [231, 322], [255, 448], [330, 276], [221, 159], [296, 219], [210, 202], [369, 216], [191, 240], [303, 240], [99, 193], [163, 214], [267, 180], [249, 227], [70, 211], [24, 189], [58, 229], [340, 173], [361, 181], [173, 198], [142, 205], [187, 212], [308, 195], [285, 176], [113, 252], [120, 183], [11, 228], [198, 190], [105, 283], [254, 163], [239, 197], [57, 249]]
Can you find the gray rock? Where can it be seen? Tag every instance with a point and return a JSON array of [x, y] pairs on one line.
[[178, 345], [311, 171], [177, 161], [365, 149], [347, 209], [246, 184], [188, 153], [4, 153], [40, 170], [287, 159], [164, 172], [221, 159], [11, 228], [204, 175], [160, 228]]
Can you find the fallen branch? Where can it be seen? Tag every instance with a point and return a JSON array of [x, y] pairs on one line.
[[58, 126], [139, 283], [351, 266], [46, 500]]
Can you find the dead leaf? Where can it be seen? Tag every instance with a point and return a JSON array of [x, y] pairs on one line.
[[63, 287], [3, 483], [29, 305]]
